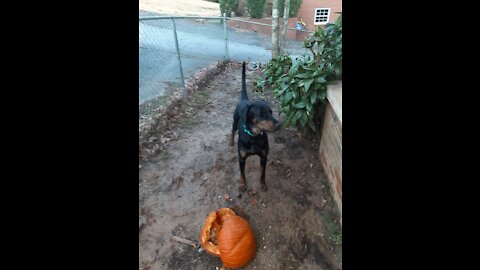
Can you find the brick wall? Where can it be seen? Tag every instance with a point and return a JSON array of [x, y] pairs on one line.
[[331, 143], [307, 11], [267, 30]]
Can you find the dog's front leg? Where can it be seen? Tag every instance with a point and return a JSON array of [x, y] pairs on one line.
[[243, 182], [232, 136]]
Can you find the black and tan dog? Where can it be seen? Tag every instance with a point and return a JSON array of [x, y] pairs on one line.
[[253, 120]]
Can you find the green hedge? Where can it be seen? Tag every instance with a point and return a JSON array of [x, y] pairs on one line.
[[255, 8]]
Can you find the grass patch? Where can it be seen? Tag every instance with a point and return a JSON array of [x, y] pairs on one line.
[[164, 155], [184, 121], [338, 257], [200, 98], [334, 229]]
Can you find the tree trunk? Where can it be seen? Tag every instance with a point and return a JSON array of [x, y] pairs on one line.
[[286, 11], [275, 47]]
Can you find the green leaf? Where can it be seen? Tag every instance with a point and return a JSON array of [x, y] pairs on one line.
[[307, 84], [288, 118], [307, 43], [338, 70], [318, 70], [285, 79], [297, 116], [309, 107], [288, 96], [303, 120], [320, 79], [323, 95], [303, 75], [322, 64], [299, 105], [321, 46], [278, 72], [313, 97], [310, 65]]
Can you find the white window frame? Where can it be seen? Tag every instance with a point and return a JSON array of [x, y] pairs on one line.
[[315, 16]]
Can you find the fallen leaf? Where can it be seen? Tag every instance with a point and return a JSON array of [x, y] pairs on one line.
[[226, 196]]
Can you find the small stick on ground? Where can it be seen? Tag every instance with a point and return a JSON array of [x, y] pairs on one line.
[[185, 241]]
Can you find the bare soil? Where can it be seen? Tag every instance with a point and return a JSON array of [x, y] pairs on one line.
[[196, 172]]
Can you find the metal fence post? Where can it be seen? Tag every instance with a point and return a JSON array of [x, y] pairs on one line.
[[178, 52], [227, 57]]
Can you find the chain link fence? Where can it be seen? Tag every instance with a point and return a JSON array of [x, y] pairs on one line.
[[173, 49]]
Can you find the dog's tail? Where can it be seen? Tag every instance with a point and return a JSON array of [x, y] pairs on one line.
[[244, 85]]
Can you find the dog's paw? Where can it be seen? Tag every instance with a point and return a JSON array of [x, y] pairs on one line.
[[264, 187], [242, 188]]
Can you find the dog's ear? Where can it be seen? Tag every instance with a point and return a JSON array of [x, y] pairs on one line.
[[244, 113]]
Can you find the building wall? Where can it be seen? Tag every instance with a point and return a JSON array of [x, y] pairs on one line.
[[307, 11], [330, 149]]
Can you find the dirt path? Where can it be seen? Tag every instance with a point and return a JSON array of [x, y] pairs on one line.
[[294, 222]]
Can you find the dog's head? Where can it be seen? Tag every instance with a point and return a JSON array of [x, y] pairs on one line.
[[259, 116]]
